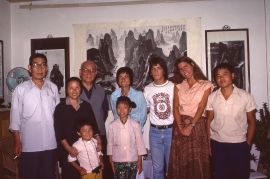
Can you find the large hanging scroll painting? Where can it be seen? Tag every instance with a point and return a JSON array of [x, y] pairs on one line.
[[116, 44]]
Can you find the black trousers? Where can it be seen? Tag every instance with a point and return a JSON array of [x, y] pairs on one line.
[[107, 172], [34, 165], [231, 160], [68, 171]]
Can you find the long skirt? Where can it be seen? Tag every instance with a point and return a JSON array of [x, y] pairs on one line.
[[189, 157]]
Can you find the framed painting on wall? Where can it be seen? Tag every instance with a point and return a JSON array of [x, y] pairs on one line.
[[229, 46], [1, 71], [57, 52]]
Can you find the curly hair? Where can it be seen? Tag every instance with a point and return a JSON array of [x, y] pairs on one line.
[[197, 72], [155, 61]]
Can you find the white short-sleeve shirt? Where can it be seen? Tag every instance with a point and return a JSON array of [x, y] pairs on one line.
[[159, 99], [230, 120]]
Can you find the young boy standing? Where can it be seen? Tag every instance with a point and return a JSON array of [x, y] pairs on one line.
[[88, 156], [230, 126], [159, 99]]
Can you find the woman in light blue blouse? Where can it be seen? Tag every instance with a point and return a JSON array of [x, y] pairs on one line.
[[124, 78]]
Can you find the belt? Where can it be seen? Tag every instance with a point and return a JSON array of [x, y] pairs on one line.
[[161, 127]]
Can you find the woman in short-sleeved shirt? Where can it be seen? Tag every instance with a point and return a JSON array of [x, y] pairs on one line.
[[189, 156]]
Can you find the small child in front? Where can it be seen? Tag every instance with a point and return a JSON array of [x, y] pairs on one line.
[[125, 142], [90, 160], [230, 126]]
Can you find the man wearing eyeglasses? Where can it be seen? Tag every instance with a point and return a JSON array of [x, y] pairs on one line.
[[31, 121], [96, 96]]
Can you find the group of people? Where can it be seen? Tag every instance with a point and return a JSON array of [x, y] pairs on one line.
[[188, 123]]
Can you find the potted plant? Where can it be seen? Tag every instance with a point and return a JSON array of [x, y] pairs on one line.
[[262, 140]]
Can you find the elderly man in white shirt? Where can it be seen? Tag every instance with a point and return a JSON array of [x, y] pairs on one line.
[[31, 121]]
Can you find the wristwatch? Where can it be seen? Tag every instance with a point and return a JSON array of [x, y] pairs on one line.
[[192, 124]]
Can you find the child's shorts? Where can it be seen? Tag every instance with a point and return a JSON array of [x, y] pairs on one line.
[[92, 176]]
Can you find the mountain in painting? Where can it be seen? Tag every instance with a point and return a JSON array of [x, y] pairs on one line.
[[135, 50]]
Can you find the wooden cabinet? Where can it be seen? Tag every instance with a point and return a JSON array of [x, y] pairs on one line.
[[4, 123], [4, 132]]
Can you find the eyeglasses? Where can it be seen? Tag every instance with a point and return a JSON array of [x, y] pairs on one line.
[[37, 65], [85, 70]]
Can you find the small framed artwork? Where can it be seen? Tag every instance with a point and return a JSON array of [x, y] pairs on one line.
[[57, 52], [1, 71], [229, 46]]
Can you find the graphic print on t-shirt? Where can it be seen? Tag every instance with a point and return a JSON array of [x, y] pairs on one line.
[[162, 106]]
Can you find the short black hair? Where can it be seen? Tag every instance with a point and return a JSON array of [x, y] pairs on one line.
[[222, 66], [126, 70], [37, 55], [155, 61], [82, 121], [74, 79], [126, 100]]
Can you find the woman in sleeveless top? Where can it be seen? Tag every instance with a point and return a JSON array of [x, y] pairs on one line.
[[189, 156]]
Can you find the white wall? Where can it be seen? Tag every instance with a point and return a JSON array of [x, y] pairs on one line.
[[267, 41], [5, 35], [38, 23]]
